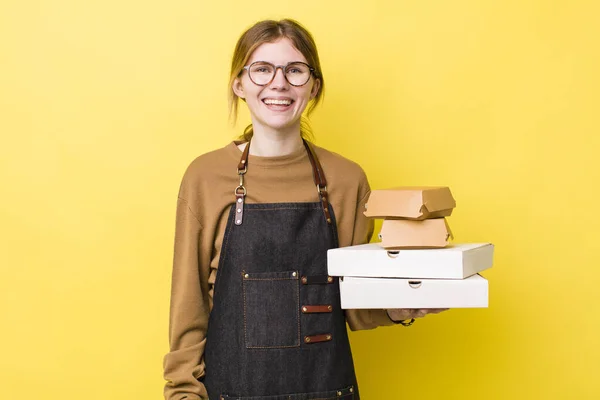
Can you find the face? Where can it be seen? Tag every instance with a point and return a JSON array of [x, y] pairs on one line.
[[278, 105]]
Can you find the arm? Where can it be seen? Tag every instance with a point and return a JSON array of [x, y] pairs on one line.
[[189, 311], [363, 231]]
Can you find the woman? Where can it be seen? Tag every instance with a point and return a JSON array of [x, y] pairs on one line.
[[254, 314]]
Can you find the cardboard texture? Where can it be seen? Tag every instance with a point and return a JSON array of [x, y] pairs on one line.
[[380, 293], [456, 261], [403, 233], [417, 203]]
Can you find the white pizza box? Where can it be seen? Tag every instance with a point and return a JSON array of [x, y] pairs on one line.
[[471, 292], [457, 261]]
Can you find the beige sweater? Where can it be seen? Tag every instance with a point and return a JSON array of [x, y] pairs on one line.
[[205, 196]]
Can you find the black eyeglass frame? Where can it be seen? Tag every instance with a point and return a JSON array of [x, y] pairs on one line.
[[276, 67]]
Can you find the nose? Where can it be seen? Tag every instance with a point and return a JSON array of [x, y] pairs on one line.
[[279, 81]]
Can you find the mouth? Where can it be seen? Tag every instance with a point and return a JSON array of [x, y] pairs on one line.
[[278, 104]]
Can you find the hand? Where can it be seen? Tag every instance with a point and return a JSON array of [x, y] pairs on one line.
[[399, 314]]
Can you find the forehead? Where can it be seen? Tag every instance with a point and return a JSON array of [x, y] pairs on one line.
[[279, 52]]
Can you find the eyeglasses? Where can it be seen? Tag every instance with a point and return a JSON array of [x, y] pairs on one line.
[[262, 73]]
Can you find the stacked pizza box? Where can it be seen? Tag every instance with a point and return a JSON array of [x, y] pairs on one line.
[[414, 265]]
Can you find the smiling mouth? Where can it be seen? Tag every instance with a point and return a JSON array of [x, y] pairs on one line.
[[278, 102]]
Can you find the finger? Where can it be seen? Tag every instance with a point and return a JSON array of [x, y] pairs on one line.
[[398, 314], [436, 310], [425, 311]]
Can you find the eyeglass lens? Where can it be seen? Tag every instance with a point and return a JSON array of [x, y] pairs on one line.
[[262, 73]]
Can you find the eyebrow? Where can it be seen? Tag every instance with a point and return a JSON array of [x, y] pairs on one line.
[[270, 62]]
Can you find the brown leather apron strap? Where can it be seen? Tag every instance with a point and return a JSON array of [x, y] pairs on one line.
[[318, 177], [243, 165], [316, 280], [317, 338], [321, 308], [240, 191]]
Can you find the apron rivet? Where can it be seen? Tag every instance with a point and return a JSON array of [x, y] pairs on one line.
[[246, 276], [239, 200], [339, 393], [329, 279], [304, 309], [328, 337], [294, 273], [239, 210], [351, 390], [307, 339], [329, 308], [238, 221]]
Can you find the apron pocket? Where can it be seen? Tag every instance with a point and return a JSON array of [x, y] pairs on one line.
[[271, 309], [339, 394]]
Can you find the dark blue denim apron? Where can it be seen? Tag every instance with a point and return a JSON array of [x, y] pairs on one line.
[[276, 330]]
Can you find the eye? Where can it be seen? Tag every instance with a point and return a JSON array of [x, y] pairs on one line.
[[296, 69], [261, 68]]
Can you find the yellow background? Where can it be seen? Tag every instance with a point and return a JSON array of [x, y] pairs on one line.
[[104, 103]]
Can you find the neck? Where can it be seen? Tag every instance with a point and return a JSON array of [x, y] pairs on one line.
[[273, 143]]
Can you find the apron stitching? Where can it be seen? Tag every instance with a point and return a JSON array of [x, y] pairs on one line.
[[298, 307], [244, 296], [281, 208], [224, 247], [270, 279], [334, 230]]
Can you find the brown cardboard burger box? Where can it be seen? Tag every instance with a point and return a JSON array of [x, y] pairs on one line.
[[409, 234], [416, 203]]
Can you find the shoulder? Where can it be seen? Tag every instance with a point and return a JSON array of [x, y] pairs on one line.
[[207, 161], [207, 168], [340, 167]]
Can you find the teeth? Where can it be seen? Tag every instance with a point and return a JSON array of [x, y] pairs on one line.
[[278, 102]]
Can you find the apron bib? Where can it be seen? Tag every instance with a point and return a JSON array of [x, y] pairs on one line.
[[276, 330]]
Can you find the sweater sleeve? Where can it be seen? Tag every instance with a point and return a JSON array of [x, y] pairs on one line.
[[359, 319], [189, 311]]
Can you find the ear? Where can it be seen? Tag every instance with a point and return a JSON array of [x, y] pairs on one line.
[[315, 88], [238, 88]]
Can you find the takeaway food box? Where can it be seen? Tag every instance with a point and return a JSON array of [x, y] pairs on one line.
[[410, 202], [414, 216], [471, 292], [404, 234], [374, 277]]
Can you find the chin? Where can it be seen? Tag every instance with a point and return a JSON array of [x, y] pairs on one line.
[[279, 124]]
